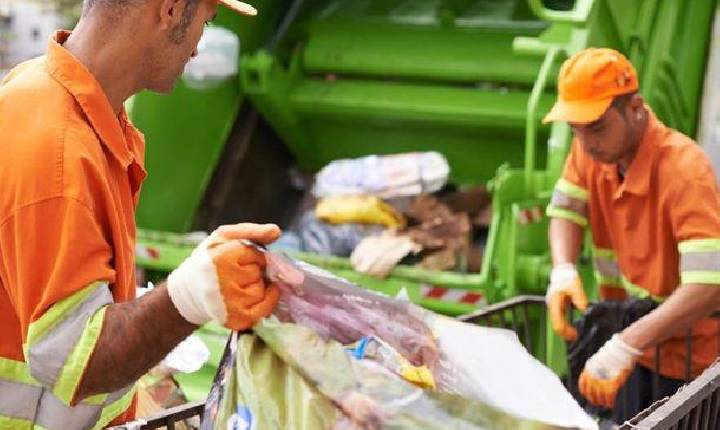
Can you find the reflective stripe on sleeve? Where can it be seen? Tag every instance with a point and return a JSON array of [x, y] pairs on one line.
[[608, 273], [54, 414], [571, 189], [18, 400], [700, 261], [554, 212], [16, 371], [7, 423], [25, 404], [563, 201], [607, 270], [570, 202], [639, 292], [61, 341], [115, 405], [72, 371]]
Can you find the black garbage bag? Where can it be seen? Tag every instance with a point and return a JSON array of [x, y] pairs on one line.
[[599, 323]]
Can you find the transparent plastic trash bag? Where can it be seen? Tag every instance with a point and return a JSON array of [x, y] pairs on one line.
[[299, 369]]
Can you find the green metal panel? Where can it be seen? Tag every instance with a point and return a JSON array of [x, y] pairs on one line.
[[476, 130], [186, 131], [468, 54], [376, 77]]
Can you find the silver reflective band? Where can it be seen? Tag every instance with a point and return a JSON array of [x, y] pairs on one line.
[[37, 405], [700, 261], [561, 200], [53, 414], [607, 268], [48, 356], [19, 400]]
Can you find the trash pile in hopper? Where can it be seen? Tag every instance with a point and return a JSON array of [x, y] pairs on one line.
[[384, 210], [336, 356]]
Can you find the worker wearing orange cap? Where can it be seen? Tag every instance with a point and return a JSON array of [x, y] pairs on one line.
[[74, 338], [649, 195]]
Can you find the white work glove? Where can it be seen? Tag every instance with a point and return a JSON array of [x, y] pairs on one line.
[[378, 255], [565, 288], [222, 280], [607, 371]]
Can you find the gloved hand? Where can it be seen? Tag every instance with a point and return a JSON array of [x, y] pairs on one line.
[[223, 281], [565, 287], [378, 255], [607, 371]]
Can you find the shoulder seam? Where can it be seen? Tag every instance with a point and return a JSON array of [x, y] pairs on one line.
[[15, 210], [63, 132], [60, 174]]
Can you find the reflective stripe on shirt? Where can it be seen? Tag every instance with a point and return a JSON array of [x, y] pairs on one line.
[[25, 404], [570, 202], [700, 261], [61, 341]]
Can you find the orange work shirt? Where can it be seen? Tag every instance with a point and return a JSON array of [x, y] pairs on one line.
[[652, 231], [71, 172]]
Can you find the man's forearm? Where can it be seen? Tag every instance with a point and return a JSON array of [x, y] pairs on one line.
[[565, 241], [135, 336], [688, 305]]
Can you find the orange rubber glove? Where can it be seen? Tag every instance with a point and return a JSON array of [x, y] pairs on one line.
[[565, 288], [223, 279], [607, 371]]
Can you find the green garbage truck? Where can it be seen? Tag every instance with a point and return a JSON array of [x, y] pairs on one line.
[[469, 79]]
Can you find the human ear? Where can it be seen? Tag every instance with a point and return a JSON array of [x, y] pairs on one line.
[[170, 13], [636, 108]]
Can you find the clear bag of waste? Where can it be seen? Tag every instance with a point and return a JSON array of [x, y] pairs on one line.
[[384, 176], [306, 367]]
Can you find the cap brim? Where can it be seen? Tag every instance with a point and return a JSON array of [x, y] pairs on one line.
[[578, 111], [239, 7]]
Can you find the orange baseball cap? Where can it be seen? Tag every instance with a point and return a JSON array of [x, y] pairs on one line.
[[239, 7], [588, 83]]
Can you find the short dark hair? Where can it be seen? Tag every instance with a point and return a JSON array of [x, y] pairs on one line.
[[89, 4], [620, 102], [178, 33]]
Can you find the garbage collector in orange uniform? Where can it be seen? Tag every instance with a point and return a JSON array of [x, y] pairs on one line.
[[74, 339], [650, 198]]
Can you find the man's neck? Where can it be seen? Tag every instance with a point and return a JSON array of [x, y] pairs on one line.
[[108, 61]]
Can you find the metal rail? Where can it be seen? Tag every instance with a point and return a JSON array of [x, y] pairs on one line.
[[694, 407], [170, 419]]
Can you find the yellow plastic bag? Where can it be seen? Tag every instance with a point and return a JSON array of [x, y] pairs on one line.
[[358, 210]]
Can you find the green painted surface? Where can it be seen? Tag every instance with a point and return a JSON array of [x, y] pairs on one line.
[[183, 133], [381, 77]]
